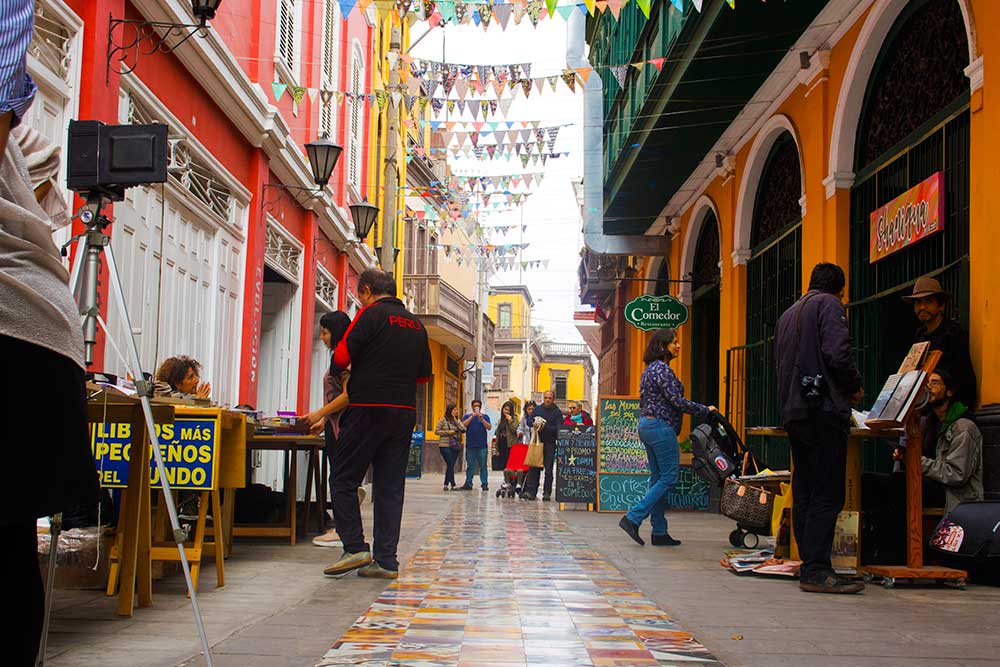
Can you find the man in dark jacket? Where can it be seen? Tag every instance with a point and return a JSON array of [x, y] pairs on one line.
[[817, 383], [386, 349], [553, 417], [945, 334]]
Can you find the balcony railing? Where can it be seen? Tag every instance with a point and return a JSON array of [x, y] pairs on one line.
[[516, 333], [565, 350], [448, 310]]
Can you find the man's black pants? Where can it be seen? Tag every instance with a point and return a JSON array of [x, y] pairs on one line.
[[534, 474], [819, 457], [378, 437]]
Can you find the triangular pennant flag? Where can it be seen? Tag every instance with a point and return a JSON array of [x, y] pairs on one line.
[[345, 8], [590, 6], [732, 4], [393, 58], [620, 72], [298, 92], [505, 105], [313, 92], [584, 73], [697, 4], [526, 87], [539, 82], [657, 63], [485, 15], [644, 6], [616, 7], [602, 5], [569, 78], [447, 9], [551, 6], [678, 5], [502, 12], [396, 98], [279, 90], [326, 95], [382, 98], [565, 11], [553, 82]]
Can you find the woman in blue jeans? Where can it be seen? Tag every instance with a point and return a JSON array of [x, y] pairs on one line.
[[662, 406]]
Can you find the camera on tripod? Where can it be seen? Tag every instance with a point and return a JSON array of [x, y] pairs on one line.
[[104, 159]]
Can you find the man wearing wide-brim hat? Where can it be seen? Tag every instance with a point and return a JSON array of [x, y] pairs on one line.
[[929, 301]]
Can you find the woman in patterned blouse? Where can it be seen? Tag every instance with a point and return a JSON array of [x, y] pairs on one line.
[[662, 405]]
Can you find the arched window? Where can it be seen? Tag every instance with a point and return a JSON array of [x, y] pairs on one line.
[[913, 124], [356, 136]]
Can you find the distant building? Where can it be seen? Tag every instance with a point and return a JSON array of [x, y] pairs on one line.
[[518, 354], [568, 370]]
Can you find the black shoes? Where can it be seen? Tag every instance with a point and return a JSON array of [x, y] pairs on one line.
[[466, 487], [632, 530], [547, 497], [486, 487], [527, 496], [831, 583], [664, 540]]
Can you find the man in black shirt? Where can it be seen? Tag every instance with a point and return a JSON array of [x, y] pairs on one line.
[[945, 334], [553, 417], [386, 349]]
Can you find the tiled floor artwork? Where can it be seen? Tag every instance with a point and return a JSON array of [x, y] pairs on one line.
[[506, 583]]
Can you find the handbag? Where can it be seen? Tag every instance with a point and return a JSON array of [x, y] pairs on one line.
[[535, 458], [750, 506]]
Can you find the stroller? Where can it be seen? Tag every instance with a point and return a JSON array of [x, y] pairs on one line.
[[716, 447], [514, 472]]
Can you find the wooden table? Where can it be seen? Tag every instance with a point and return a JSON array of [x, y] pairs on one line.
[[291, 445], [108, 405], [914, 568]]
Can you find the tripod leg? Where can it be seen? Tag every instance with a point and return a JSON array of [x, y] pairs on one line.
[[55, 527], [147, 408]]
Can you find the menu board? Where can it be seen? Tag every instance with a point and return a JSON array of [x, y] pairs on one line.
[[415, 464], [619, 493], [620, 451], [576, 464]]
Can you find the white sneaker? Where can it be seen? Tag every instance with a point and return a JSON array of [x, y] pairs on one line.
[[328, 539]]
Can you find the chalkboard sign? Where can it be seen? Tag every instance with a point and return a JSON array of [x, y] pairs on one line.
[[620, 450], [415, 464], [576, 464], [619, 493], [691, 492]]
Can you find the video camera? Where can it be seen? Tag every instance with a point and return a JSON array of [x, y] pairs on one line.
[[104, 159]]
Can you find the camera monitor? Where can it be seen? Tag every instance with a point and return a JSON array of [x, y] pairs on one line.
[[105, 159]]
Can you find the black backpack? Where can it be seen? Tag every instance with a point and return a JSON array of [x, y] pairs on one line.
[[708, 459]]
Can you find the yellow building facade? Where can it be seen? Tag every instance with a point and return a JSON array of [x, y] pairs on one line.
[[832, 135], [518, 356]]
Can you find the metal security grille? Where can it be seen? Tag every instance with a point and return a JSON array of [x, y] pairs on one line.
[[899, 145], [774, 282]]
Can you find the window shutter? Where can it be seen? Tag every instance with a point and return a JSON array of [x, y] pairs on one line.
[[328, 78], [357, 105], [286, 33]]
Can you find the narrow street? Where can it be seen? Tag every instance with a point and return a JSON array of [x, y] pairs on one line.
[[505, 582]]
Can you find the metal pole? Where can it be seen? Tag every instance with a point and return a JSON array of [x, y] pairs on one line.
[[387, 260]]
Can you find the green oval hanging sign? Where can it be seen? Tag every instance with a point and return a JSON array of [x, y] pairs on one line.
[[655, 312]]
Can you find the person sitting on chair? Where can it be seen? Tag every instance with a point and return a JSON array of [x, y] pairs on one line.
[[958, 455]]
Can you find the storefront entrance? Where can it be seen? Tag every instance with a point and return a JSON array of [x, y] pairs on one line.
[[914, 123]]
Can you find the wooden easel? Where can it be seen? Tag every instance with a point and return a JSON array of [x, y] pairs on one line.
[[915, 568]]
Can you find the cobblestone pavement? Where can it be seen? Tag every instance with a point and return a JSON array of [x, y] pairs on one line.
[[508, 583]]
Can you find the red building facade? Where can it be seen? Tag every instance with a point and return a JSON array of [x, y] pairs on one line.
[[222, 262]]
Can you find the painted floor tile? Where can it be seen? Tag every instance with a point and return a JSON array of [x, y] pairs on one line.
[[509, 584]]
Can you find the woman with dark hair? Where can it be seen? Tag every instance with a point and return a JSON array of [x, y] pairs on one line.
[[524, 427], [506, 435], [662, 406], [181, 375], [450, 430], [332, 327]]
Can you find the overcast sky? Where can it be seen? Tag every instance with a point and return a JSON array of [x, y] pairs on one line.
[[551, 213]]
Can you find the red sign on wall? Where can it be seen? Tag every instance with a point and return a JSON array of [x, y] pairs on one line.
[[910, 217]]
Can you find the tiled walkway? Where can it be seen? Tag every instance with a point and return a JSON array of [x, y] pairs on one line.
[[505, 583]]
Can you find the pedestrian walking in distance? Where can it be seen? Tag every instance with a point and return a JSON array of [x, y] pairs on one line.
[[817, 383], [386, 350], [450, 430], [662, 406], [477, 428]]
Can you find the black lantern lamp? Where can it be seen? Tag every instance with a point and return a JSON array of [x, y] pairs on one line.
[[363, 214], [323, 155], [128, 39]]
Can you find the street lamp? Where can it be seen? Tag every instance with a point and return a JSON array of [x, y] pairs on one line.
[[323, 155], [363, 214], [149, 37]]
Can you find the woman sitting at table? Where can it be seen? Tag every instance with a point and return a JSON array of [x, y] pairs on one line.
[[181, 375]]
